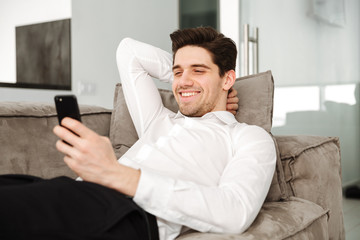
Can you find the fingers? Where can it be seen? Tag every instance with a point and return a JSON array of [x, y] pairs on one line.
[[233, 112], [73, 157], [232, 108], [232, 97], [232, 93], [66, 135], [73, 131], [77, 127], [65, 148], [233, 100]]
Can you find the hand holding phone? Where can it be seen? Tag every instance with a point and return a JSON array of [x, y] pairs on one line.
[[67, 106]]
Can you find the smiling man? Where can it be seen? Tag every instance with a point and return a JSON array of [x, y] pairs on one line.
[[199, 168], [195, 169]]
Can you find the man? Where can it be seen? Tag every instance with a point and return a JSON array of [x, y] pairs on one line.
[[198, 168]]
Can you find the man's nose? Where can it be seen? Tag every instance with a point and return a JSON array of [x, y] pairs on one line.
[[186, 79]]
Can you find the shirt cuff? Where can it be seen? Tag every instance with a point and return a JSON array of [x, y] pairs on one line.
[[153, 192]]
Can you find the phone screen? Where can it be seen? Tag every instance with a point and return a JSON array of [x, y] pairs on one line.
[[67, 106]]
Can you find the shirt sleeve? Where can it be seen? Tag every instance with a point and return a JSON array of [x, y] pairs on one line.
[[137, 63], [229, 207]]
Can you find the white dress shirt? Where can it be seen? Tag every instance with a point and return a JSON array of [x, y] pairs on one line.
[[207, 173]]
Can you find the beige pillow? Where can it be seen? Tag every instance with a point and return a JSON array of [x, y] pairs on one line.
[[255, 95]]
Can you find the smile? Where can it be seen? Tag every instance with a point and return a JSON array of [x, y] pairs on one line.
[[188, 94]]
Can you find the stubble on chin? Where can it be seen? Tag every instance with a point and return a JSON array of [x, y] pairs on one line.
[[194, 112]]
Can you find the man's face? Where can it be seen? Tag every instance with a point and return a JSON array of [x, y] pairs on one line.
[[197, 85]]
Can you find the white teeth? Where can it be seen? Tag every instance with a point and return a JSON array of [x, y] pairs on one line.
[[188, 94]]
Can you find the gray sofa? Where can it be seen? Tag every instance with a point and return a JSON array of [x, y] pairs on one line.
[[305, 197]]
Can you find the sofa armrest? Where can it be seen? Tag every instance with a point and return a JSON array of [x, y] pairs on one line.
[[27, 143], [312, 171], [294, 218]]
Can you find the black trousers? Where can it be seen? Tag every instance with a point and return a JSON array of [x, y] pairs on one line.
[[61, 208]]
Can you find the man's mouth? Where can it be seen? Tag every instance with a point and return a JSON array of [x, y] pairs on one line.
[[188, 94]]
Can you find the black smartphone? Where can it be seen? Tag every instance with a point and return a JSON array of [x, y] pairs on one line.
[[67, 106]]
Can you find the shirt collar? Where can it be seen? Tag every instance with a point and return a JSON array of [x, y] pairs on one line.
[[224, 116]]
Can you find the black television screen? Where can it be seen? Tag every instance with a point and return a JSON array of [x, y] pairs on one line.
[[43, 55]]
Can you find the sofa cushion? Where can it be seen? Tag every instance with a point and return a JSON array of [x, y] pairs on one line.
[[27, 143], [255, 94], [292, 219], [312, 165], [256, 99]]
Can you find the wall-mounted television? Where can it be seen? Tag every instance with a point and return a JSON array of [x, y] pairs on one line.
[[43, 56]]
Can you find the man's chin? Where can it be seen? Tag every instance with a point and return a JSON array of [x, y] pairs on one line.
[[189, 113]]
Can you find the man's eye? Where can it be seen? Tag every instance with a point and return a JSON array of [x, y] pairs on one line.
[[177, 73], [198, 71]]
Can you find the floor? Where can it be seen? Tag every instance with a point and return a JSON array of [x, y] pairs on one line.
[[351, 209]]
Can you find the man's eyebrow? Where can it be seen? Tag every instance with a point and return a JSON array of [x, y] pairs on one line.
[[200, 65], [193, 66], [176, 67]]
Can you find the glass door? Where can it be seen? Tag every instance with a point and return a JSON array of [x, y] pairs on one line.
[[312, 49]]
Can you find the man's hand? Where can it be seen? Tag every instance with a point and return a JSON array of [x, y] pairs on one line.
[[232, 101], [92, 157]]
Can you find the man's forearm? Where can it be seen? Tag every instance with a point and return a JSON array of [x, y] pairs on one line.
[[137, 63], [125, 180]]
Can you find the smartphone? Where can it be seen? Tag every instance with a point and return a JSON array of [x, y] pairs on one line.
[[67, 106]]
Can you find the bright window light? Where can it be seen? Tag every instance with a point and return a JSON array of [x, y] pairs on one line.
[[229, 24], [341, 93], [294, 99]]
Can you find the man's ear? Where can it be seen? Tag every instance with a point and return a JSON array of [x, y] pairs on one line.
[[230, 78]]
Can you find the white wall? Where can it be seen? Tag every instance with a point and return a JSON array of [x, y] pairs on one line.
[[300, 49], [230, 25], [98, 27]]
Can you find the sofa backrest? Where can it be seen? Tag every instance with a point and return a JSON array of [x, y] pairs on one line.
[[27, 143]]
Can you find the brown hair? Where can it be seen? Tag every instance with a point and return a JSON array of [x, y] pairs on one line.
[[222, 49]]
